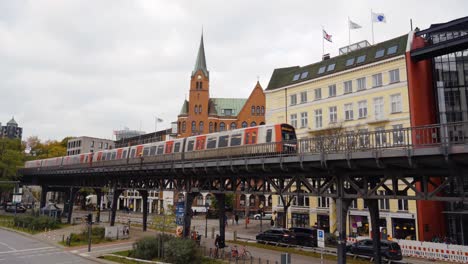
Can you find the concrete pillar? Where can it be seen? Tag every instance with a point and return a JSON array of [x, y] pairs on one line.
[[134, 204], [115, 199], [144, 199], [43, 196], [373, 205], [342, 206], [267, 196], [151, 206]]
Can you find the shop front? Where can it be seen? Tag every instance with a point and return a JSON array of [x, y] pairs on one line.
[[323, 222], [404, 228], [359, 225], [300, 220]]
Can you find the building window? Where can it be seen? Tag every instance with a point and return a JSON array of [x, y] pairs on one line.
[[333, 114], [332, 90], [222, 126], [294, 120], [379, 108], [384, 204], [394, 75], [348, 108], [201, 127], [100, 145], [253, 110], [263, 110], [304, 120], [318, 118], [398, 136], [392, 50], [258, 110], [106, 145], [211, 127], [362, 105], [361, 59], [323, 202], [233, 125], [183, 127], [348, 87], [253, 124], [395, 99], [304, 75], [194, 126], [296, 77], [196, 109], [321, 70], [377, 80], [199, 109], [379, 53], [380, 136], [349, 62], [318, 93], [363, 138], [244, 124], [92, 144], [303, 97], [293, 99], [402, 205], [361, 84]]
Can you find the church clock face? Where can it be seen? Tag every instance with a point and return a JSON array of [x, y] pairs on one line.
[[199, 77]]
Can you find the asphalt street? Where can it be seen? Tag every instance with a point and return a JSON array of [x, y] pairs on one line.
[[18, 249]]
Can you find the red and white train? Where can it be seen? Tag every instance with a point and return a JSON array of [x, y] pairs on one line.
[[244, 141]]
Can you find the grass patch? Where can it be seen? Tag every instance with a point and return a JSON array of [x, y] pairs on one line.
[[8, 221], [121, 260], [297, 251], [127, 253]]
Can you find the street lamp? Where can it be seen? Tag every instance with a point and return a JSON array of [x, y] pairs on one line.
[[207, 207], [261, 216]]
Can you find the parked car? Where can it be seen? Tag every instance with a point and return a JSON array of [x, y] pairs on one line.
[[389, 249], [266, 216], [280, 235], [11, 207], [305, 236]]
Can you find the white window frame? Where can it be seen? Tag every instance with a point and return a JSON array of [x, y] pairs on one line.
[[318, 118], [318, 93], [304, 119], [377, 80], [384, 204], [394, 75], [362, 109], [348, 110], [380, 136], [361, 83], [323, 202], [333, 114], [348, 87], [402, 205], [332, 90], [304, 97], [293, 99], [379, 108], [395, 100], [398, 135], [294, 120]]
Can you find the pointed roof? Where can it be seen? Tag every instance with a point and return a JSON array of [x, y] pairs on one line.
[[12, 122], [200, 63]]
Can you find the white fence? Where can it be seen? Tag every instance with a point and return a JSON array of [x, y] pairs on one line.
[[430, 250]]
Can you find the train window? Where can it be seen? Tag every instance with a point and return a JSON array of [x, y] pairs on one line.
[[132, 153], [108, 156], [160, 149], [268, 136], [176, 147], [124, 154], [113, 155], [152, 150], [223, 141], [211, 143], [145, 151], [247, 138], [190, 145], [236, 140]]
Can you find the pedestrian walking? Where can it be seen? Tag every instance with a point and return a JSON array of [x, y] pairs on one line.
[[236, 217]]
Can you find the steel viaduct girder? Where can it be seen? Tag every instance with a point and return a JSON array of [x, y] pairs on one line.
[[438, 172]]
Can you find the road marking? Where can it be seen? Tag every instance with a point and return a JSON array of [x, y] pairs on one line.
[[11, 248], [25, 250]]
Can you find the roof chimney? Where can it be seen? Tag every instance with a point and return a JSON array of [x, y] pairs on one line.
[[326, 56]]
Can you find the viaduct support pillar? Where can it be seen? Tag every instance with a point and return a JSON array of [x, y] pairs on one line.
[[373, 205], [342, 206], [115, 198], [43, 201], [220, 198], [144, 197], [188, 213], [71, 199], [98, 204]]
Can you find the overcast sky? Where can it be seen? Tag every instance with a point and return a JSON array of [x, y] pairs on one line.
[[86, 68]]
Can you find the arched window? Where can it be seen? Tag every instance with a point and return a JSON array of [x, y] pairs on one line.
[[222, 126], [253, 110], [233, 125], [253, 124], [201, 85], [196, 109], [194, 126], [258, 110], [201, 127], [199, 109], [242, 200], [252, 200], [244, 124], [263, 110], [183, 127], [211, 127], [262, 123]]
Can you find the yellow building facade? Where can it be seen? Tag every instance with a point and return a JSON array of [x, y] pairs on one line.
[[364, 89]]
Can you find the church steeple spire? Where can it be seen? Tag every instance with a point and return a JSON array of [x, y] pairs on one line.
[[200, 63]]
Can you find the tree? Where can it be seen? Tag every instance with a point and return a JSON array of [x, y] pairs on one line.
[[48, 149], [228, 201], [11, 158]]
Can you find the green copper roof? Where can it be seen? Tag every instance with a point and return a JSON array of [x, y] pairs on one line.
[[286, 76], [184, 110], [200, 63], [218, 105]]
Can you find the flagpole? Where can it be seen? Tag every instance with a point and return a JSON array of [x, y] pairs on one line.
[[349, 34], [323, 44], [372, 23]]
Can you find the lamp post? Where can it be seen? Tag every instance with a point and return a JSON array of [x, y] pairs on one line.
[[207, 207], [261, 216]]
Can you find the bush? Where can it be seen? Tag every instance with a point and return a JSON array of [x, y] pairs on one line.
[[146, 248], [35, 222], [97, 235], [181, 251]]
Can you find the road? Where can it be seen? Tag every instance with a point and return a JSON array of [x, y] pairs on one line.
[[18, 249]]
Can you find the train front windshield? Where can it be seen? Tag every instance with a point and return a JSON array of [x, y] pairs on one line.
[[287, 132]]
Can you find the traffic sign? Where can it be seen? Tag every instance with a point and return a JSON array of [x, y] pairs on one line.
[[320, 238]]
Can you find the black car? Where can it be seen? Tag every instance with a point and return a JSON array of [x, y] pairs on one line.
[[305, 236], [10, 207], [389, 249], [280, 235]]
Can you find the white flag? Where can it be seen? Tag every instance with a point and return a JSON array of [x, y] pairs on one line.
[[353, 25], [379, 17]]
